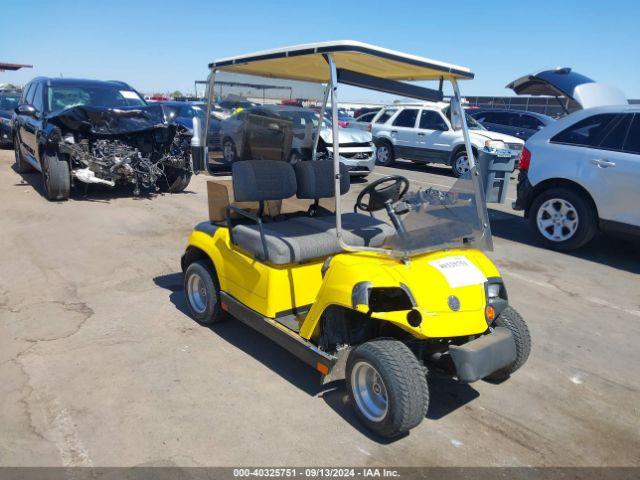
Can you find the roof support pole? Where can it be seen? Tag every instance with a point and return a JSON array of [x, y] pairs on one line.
[[210, 94], [333, 80], [323, 108]]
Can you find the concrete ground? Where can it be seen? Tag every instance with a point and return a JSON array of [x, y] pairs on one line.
[[100, 365]]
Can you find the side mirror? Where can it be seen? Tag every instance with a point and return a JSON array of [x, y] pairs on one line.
[[28, 110], [456, 121], [443, 127]]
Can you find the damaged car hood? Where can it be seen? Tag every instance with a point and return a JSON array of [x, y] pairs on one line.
[[346, 135], [110, 121]]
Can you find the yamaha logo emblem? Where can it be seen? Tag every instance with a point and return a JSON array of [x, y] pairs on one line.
[[454, 303]]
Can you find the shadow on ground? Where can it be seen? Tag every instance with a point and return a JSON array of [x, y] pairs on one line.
[[610, 250], [92, 193], [435, 169], [447, 395]]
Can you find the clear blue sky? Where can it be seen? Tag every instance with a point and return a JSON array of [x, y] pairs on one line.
[[162, 46]]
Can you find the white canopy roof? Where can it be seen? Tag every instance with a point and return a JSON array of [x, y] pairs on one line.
[[307, 63]]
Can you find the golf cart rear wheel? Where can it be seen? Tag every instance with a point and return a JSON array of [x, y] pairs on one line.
[[514, 322], [387, 387], [203, 293]]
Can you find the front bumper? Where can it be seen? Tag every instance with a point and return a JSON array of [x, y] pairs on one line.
[[359, 160], [359, 167], [483, 356], [523, 192]]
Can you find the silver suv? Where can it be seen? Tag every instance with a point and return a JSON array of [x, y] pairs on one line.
[[423, 134], [582, 174]]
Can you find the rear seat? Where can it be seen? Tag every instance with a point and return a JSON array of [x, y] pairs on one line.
[[303, 238]]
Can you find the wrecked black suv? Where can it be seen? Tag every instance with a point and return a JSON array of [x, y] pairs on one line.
[[86, 131]]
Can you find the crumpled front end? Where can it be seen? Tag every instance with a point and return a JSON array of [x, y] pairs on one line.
[[133, 146]]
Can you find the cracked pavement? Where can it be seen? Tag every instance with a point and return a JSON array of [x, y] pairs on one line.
[[100, 365]]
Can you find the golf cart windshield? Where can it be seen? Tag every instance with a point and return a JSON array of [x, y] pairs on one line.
[[418, 215]]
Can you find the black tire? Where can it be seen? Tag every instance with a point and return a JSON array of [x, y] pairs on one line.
[[512, 320], [385, 154], [457, 163], [229, 151], [577, 205], [176, 180], [56, 177], [21, 165], [207, 309], [403, 379]]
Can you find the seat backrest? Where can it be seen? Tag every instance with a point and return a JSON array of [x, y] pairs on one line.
[[315, 179], [259, 180]]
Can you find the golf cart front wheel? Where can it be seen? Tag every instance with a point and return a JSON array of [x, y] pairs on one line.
[[387, 387], [513, 321], [203, 293]]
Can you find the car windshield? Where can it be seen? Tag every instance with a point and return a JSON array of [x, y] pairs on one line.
[[300, 118], [61, 97], [9, 102]]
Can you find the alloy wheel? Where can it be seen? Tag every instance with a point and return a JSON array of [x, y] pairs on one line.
[[462, 165], [197, 293], [383, 154], [228, 152], [557, 219], [369, 391]]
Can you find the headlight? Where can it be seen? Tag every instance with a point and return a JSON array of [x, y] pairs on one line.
[[493, 290], [5, 121], [495, 145]]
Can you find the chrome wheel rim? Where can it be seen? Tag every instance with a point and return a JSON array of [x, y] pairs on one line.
[[197, 293], [382, 154], [228, 152], [462, 164], [557, 219], [369, 391]]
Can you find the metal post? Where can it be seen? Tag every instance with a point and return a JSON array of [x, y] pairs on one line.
[[207, 119], [463, 120], [316, 139], [336, 144]]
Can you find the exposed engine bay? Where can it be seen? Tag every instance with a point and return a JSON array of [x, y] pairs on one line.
[[134, 146]]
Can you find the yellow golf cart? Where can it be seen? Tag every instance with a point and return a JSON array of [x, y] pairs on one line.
[[378, 292]]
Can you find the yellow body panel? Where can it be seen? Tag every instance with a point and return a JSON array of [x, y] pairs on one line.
[[270, 289], [266, 288]]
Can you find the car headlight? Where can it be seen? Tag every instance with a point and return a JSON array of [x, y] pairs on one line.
[[5, 121], [493, 290], [495, 145]]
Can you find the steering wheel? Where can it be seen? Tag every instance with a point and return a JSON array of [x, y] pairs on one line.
[[388, 189]]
